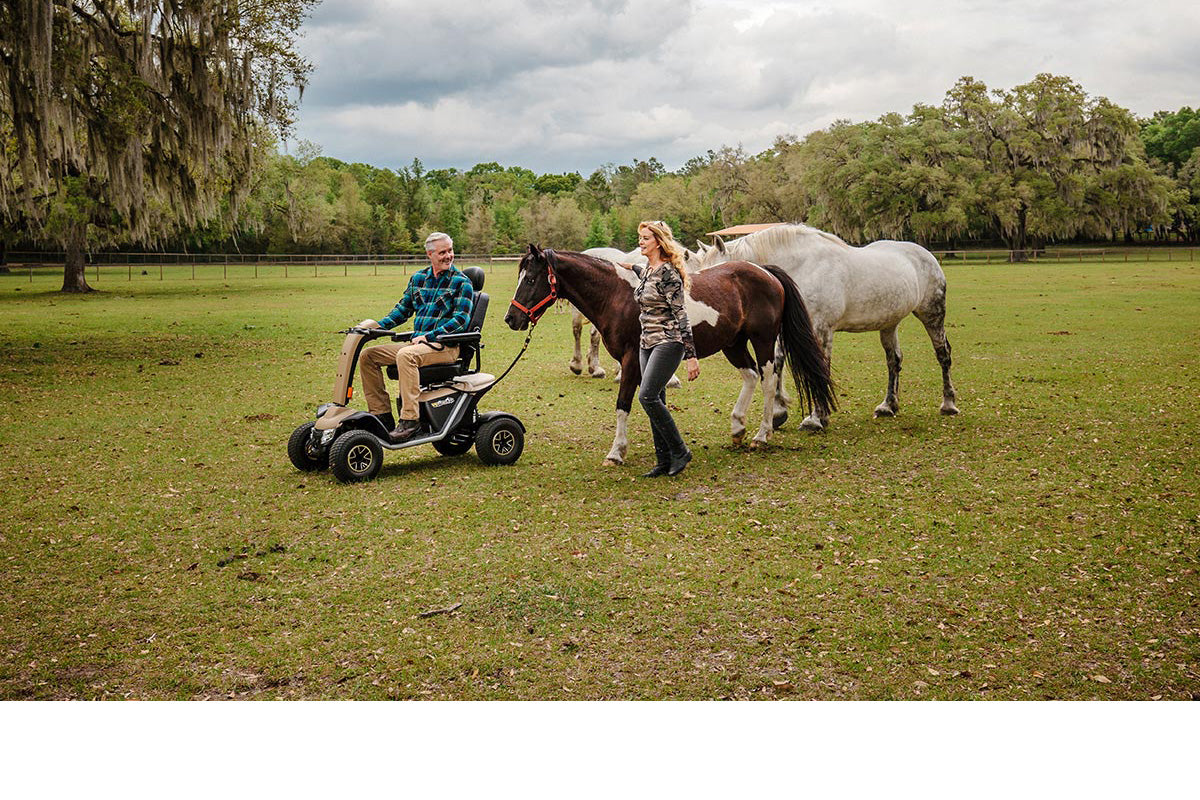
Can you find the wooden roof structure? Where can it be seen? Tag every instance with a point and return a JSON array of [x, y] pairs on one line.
[[742, 230]]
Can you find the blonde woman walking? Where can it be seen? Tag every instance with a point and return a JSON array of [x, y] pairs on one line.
[[665, 341]]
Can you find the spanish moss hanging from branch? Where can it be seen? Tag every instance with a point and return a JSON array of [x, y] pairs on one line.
[[129, 119]]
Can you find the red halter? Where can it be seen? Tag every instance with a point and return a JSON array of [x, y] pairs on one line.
[[542, 304]]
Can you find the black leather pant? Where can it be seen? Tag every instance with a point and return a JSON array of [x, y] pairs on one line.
[[658, 365]]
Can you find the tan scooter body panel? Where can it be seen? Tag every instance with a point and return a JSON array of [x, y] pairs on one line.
[[346, 365]]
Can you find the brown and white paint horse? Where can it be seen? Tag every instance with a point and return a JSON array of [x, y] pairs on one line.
[[732, 309]]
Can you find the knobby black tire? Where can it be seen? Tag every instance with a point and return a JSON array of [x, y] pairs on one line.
[[301, 456], [457, 443], [499, 442], [355, 456]]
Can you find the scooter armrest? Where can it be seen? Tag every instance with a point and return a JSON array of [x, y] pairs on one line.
[[460, 338]]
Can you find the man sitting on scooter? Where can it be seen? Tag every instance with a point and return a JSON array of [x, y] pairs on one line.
[[438, 299]]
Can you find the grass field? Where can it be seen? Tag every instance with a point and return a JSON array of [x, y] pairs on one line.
[[157, 543]]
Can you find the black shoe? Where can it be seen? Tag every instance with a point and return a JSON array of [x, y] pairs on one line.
[[677, 464], [659, 470], [406, 430], [386, 420]]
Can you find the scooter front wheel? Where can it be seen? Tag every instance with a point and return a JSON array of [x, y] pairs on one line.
[[355, 456], [303, 454]]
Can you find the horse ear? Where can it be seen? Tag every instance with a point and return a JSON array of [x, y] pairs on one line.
[[533, 250], [720, 244]]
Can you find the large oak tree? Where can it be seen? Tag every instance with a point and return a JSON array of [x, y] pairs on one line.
[[1056, 162], [129, 119]]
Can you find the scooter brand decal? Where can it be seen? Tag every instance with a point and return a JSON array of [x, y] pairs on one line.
[[443, 402]]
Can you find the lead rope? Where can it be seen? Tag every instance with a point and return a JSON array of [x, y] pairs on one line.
[[524, 347]]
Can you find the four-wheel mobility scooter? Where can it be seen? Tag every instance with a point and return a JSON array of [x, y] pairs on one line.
[[351, 443]]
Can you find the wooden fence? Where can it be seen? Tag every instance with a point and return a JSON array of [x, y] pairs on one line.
[[226, 266]]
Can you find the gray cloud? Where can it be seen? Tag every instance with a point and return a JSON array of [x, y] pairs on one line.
[[554, 85]]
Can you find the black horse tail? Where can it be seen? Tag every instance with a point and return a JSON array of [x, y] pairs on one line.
[[805, 356]]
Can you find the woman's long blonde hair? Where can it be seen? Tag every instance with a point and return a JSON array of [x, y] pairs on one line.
[[671, 249]]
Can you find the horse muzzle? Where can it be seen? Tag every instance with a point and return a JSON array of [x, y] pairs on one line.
[[516, 320]]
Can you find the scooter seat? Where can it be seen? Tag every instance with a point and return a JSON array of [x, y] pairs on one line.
[[434, 373], [440, 373]]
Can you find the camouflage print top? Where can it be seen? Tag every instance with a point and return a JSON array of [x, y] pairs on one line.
[[664, 317]]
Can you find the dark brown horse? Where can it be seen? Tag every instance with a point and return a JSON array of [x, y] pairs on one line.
[[732, 308]]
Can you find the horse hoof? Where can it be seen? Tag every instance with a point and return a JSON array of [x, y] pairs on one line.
[[884, 411], [575, 369], [737, 440], [674, 382], [778, 420], [609, 462], [811, 424], [756, 444], [949, 410], [598, 373]]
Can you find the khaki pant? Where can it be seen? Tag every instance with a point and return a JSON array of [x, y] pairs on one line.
[[408, 358]]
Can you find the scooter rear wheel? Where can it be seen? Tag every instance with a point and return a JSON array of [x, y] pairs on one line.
[[355, 456], [457, 443], [499, 442]]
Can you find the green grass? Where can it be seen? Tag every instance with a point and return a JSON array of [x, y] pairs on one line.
[[1043, 544]]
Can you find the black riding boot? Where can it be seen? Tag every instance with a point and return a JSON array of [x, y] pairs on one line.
[[662, 452], [664, 426], [679, 459]]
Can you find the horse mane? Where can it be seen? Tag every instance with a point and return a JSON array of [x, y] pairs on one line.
[[600, 262], [792, 234], [596, 260]]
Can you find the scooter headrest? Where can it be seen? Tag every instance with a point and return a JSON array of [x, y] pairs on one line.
[[476, 275]]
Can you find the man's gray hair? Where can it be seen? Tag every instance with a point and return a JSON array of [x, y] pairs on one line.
[[436, 236]]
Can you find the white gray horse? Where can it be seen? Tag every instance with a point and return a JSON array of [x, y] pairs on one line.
[[855, 289]]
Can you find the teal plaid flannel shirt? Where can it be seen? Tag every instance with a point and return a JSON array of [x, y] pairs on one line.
[[437, 305]]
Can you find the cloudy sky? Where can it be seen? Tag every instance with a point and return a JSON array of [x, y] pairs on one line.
[[571, 85]]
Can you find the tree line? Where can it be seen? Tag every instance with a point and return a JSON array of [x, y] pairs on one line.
[[1040, 163], [138, 126]]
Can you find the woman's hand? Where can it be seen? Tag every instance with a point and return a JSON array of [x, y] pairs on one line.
[[693, 366]]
